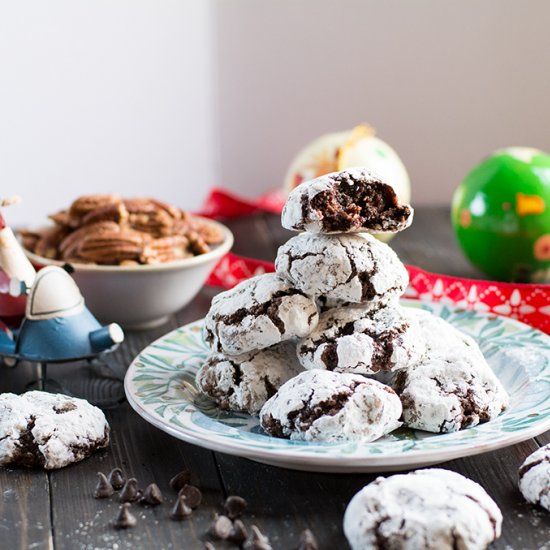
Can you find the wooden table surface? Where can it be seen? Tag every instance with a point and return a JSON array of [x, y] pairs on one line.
[[43, 510]]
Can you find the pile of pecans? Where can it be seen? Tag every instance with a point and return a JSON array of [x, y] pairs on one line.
[[111, 230]]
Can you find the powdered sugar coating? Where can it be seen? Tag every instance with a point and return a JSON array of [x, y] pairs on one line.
[[534, 477], [245, 382], [362, 340], [299, 214], [320, 405], [452, 387], [354, 268], [432, 509], [258, 313], [40, 429]]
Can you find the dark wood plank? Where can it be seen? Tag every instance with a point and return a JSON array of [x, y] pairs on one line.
[[25, 520]]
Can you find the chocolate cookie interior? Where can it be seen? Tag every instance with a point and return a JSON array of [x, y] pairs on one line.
[[352, 205]]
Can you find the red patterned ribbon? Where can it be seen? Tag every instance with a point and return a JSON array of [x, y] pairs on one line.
[[527, 303]]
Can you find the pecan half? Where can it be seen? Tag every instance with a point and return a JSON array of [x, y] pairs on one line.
[[81, 206], [196, 243], [48, 243], [209, 233], [145, 215], [112, 247], [166, 249], [68, 247], [115, 212]]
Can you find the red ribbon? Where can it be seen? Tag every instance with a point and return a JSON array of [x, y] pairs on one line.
[[527, 303], [221, 204]]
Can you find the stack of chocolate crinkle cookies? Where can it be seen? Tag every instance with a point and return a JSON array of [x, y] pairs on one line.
[[323, 350]]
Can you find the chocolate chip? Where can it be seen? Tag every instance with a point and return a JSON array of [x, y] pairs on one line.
[[235, 506], [117, 479], [307, 541], [192, 494], [152, 495], [103, 489], [257, 541], [180, 510], [125, 518], [181, 479], [130, 491], [239, 533], [221, 527]]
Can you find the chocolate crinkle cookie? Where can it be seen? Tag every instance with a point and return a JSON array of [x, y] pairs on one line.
[[534, 477], [353, 268], [245, 382], [320, 405], [44, 430], [258, 313], [432, 509], [353, 200], [362, 340], [452, 387]]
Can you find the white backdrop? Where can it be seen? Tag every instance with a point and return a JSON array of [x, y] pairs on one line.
[[105, 95], [166, 98]]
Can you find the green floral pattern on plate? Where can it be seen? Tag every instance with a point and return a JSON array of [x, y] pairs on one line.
[[160, 385]]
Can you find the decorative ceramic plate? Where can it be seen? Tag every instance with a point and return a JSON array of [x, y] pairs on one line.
[[160, 386]]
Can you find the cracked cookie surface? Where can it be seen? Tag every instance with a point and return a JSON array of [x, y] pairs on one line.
[[353, 268], [452, 387], [353, 200], [534, 477], [245, 382], [432, 509], [257, 314], [320, 405], [44, 430], [362, 340]]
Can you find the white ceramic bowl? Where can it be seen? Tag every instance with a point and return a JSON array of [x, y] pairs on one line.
[[143, 296]]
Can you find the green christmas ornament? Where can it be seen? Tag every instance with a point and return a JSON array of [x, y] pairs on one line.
[[501, 215]]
